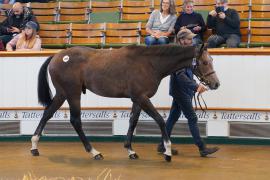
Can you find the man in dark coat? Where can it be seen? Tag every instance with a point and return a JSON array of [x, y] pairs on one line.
[[182, 89]]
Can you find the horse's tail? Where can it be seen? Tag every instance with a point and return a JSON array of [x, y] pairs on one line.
[[44, 91]]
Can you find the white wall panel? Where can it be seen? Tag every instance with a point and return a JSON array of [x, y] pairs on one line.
[[245, 83]]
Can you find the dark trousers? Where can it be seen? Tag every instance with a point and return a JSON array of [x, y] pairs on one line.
[[197, 40], [5, 39], [184, 104], [231, 40]]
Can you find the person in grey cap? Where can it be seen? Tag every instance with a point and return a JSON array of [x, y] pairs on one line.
[[182, 89], [185, 37], [27, 40]]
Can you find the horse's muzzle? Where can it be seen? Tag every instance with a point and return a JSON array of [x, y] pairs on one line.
[[216, 85]]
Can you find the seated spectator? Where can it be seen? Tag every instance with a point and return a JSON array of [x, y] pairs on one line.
[[16, 19], [28, 40], [4, 1], [192, 21], [226, 24], [161, 23], [27, 1]]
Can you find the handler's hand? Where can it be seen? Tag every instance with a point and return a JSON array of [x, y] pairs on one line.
[[201, 88]]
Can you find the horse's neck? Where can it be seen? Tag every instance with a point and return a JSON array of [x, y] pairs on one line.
[[165, 65]]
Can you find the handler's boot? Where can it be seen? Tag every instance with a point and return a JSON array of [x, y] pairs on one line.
[[206, 151], [161, 149]]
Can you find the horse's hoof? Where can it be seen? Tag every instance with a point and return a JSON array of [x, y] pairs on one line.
[[98, 157], [133, 156], [34, 152], [168, 158]]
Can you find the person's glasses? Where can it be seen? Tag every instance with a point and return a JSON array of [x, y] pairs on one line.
[[219, 4], [189, 6], [165, 3]]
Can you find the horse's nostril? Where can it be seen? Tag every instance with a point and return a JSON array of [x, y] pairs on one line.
[[217, 85]]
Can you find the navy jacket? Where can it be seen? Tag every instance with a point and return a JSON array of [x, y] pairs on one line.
[[182, 83], [194, 18]]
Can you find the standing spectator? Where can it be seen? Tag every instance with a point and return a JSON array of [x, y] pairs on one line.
[[226, 24], [161, 23], [28, 40], [16, 19], [192, 21], [182, 89]]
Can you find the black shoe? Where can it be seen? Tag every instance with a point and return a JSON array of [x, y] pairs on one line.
[[206, 151], [161, 149]]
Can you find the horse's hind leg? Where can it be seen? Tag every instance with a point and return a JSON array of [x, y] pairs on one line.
[[135, 113], [57, 102], [148, 107], [75, 120]]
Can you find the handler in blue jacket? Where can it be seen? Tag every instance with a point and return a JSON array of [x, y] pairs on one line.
[[182, 89]]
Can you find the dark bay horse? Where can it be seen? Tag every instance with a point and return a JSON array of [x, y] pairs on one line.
[[131, 72]]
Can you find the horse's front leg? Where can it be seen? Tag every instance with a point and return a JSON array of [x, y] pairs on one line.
[[135, 113], [58, 100], [148, 107], [75, 120]]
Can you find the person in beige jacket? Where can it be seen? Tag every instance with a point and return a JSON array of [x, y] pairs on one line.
[[27, 40]]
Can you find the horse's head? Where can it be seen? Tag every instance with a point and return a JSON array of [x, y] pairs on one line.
[[203, 68]]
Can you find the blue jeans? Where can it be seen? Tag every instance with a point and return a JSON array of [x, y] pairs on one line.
[[184, 104], [149, 40]]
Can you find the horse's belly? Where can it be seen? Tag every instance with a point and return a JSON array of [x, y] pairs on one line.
[[108, 89]]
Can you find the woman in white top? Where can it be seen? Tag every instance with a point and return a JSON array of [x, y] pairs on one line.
[[27, 40], [161, 23]]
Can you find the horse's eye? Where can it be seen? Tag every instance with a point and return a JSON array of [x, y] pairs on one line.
[[205, 63]]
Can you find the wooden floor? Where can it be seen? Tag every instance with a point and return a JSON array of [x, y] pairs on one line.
[[69, 160]]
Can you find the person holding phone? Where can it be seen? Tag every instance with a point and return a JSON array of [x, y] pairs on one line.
[[15, 22], [189, 19], [226, 24]]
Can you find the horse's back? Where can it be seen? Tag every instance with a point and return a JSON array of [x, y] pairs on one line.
[[118, 70]]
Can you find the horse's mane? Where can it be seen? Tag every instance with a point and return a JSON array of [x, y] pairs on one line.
[[159, 50]]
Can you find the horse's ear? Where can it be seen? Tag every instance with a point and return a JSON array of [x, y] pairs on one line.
[[205, 46], [201, 48]]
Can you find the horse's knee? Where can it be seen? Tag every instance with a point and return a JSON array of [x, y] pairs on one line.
[[75, 122], [161, 123]]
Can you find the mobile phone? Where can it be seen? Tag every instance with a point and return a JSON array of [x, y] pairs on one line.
[[220, 9], [191, 26]]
